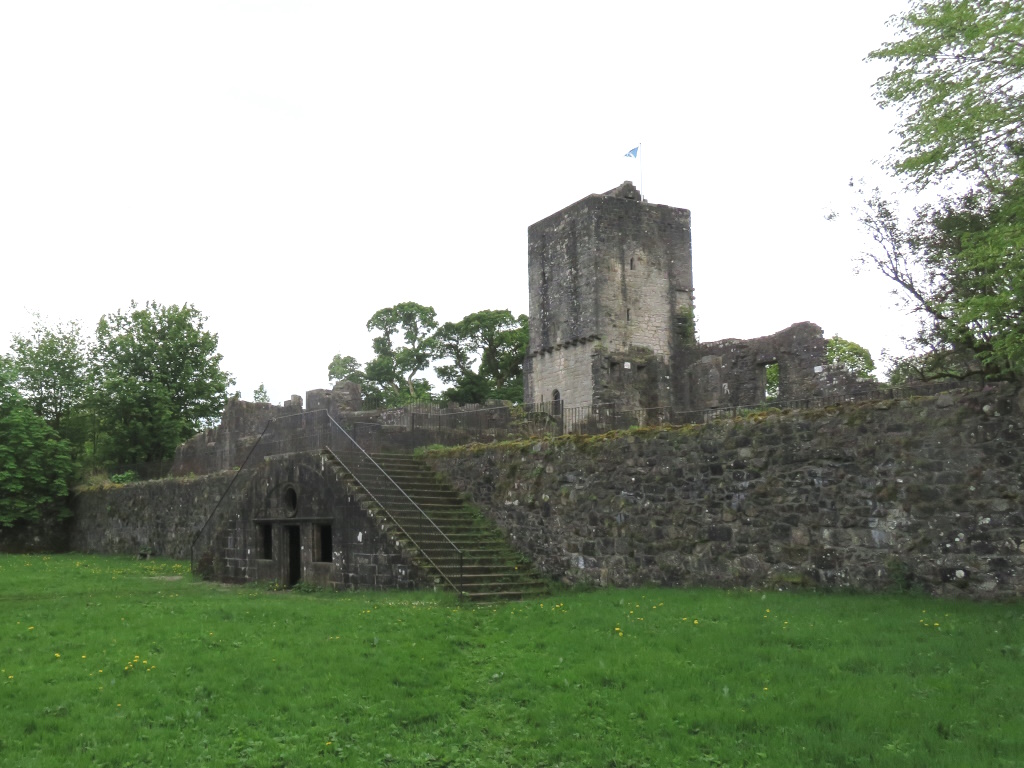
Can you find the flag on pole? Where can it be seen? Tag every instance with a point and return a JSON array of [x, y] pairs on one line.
[[632, 152]]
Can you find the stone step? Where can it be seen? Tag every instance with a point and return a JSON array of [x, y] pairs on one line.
[[429, 519]]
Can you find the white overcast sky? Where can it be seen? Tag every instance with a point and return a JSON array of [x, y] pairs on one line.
[[291, 167]]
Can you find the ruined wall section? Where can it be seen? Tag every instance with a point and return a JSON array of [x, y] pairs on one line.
[[923, 492], [160, 517], [225, 446], [731, 372], [293, 492]]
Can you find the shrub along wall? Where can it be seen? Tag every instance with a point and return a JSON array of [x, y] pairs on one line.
[[924, 491], [160, 517]]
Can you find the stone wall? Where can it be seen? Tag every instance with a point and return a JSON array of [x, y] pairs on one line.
[[608, 268], [160, 517], [282, 497], [924, 491], [568, 369], [51, 533], [295, 501], [731, 372]]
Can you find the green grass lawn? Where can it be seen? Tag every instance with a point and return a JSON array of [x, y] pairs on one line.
[[117, 662]]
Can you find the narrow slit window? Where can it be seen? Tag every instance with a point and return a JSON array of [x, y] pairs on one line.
[[627, 315], [632, 265], [771, 382]]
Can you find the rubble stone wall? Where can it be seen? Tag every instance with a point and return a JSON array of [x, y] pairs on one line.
[[923, 492]]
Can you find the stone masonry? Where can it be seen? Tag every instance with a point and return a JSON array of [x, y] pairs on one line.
[[612, 323], [607, 276], [923, 493]]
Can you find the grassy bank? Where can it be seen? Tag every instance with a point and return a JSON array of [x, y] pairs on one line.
[[116, 662]]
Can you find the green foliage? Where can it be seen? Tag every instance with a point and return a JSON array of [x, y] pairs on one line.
[[771, 381], [955, 80], [959, 263], [52, 369], [855, 358], [391, 376], [259, 395], [494, 340], [158, 380], [408, 679], [35, 463], [481, 356], [346, 368], [131, 476], [959, 266]]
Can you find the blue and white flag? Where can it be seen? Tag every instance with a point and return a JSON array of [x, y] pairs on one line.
[[632, 152]]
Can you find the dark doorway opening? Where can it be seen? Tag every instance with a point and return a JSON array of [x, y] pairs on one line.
[[294, 555], [266, 540], [325, 551], [556, 403]]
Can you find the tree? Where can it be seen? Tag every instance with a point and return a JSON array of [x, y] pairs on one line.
[[51, 364], [495, 341], [35, 463], [855, 358], [482, 356], [346, 368], [259, 395], [391, 376], [158, 379], [955, 80], [958, 263]]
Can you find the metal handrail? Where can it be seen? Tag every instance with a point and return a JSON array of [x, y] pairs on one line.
[[415, 506], [394, 520], [195, 539], [586, 419], [313, 441]]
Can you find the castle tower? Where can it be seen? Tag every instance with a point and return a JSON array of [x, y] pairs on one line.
[[611, 302]]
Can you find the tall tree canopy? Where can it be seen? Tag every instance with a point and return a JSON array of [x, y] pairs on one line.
[[52, 369], [35, 464], [495, 342], [391, 376], [481, 356], [956, 84], [957, 80], [158, 379]]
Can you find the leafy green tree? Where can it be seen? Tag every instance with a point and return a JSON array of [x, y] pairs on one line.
[[35, 463], [346, 368], [856, 359], [158, 380], [955, 80], [51, 364], [390, 377], [959, 264], [259, 395], [494, 341]]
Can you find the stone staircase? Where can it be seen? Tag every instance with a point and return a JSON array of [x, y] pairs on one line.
[[491, 569]]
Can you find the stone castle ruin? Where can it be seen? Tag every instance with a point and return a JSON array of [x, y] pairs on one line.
[[612, 319], [892, 490]]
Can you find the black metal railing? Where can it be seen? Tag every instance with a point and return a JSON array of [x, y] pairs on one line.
[[316, 431], [392, 500], [423, 425]]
